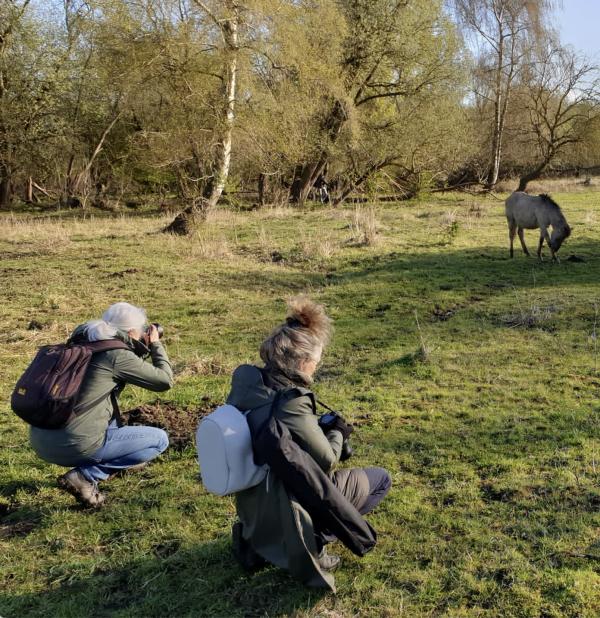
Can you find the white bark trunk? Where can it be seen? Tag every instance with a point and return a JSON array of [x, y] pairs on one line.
[[222, 164]]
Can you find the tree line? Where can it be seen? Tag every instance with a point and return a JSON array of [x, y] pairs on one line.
[[102, 100]]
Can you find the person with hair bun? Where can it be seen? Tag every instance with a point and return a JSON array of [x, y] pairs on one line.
[[94, 444], [285, 520]]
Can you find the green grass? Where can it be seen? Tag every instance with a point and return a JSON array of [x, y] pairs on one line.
[[486, 415]]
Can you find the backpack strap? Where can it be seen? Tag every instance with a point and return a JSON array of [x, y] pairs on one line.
[[103, 346]]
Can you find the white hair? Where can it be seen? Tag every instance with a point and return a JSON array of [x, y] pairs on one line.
[[120, 316]]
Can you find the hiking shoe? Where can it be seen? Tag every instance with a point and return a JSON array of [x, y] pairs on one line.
[[328, 562], [242, 550], [77, 485]]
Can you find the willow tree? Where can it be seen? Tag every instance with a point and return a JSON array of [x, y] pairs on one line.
[[393, 52], [26, 94]]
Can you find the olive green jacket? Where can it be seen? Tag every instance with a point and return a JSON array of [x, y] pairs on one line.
[[73, 444], [276, 525]]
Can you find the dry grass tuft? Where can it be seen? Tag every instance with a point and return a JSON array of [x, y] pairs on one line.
[[449, 226], [365, 226], [207, 242], [319, 247], [591, 218], [276, 211], [204, 366], [531, 314]]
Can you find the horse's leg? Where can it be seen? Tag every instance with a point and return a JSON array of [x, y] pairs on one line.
[[512, 230], [540, 244], [545, 236], [522, 239]]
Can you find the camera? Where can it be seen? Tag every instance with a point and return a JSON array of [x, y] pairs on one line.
[[159, 328], [326, 422], [141, 346]]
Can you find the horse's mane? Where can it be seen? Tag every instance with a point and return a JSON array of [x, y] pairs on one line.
[[549, 201]]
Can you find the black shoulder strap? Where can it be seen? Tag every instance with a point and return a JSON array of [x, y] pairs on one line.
[[324, 405], [116, 410], [298, 393]]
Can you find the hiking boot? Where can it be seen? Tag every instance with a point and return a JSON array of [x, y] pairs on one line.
[[242, 550], [328, 562], [77, 485]]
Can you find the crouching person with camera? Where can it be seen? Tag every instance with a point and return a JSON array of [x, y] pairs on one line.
[[91, 440], [301, 504]]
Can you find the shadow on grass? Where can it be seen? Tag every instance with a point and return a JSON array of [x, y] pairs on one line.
[[204, 581], [9, 488], [486, 271], [487, 267]]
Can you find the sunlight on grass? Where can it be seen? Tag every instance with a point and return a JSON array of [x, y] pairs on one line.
[[473, 378]]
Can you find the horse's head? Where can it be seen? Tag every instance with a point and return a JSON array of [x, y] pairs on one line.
[[559, 235]]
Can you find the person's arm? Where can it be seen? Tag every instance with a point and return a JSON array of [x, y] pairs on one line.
[[297, 414], [131, 369]]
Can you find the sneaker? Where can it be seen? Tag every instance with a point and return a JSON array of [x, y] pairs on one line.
[[84, 491], [242, 550], [328, 562]]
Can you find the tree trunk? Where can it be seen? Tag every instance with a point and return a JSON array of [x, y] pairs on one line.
[[357, 182], [5, 189], [186, 221], [308, 174], [492, 178], [262, 188], [306, 178], [78, 185], [526, 178]]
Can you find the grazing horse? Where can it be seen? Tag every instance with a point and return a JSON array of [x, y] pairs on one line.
[[527, 212]]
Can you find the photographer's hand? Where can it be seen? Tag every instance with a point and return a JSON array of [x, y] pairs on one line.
[[153, 335], [342, 426]]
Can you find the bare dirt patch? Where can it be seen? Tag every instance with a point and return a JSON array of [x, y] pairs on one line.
[[179, 422]]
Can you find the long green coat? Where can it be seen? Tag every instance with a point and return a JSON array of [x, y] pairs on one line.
[[274, 523], [71, 445]]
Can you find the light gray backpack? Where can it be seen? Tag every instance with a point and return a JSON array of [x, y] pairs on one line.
[[225, 455]]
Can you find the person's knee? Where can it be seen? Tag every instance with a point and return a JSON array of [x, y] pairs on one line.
[[380, 480], [162, 441], [386, 481]]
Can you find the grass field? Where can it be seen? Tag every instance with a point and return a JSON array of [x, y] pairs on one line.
[[472, 378]]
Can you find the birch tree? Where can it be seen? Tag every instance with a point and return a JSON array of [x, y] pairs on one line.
[[502, 32], [226, 17]]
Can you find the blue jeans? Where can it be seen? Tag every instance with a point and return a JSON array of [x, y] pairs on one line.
[[123, 447]]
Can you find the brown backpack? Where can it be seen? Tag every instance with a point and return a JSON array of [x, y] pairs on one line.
[[46, 394]]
